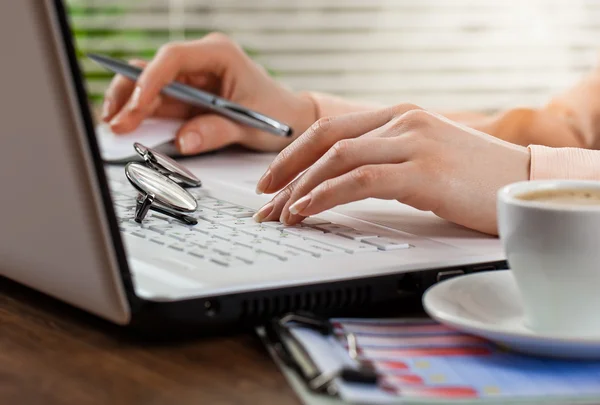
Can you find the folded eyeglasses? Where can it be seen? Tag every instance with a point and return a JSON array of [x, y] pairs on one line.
[[161, 183]]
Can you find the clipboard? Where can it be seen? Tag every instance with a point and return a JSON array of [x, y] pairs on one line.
[[296, 356], [328, 365]]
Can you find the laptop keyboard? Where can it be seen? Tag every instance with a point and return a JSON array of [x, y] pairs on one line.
[[227, 235]]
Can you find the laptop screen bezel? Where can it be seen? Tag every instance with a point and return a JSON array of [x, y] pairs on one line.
[[85, 114]]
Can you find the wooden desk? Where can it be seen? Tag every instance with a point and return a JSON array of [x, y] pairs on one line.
[[52, 354]]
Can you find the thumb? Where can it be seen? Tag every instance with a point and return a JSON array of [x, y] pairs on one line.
[[207, 132]]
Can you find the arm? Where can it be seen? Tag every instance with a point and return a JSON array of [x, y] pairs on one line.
[[328, 105], [570, 119]]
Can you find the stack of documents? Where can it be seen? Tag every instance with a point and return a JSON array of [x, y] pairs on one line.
[[420, 361]]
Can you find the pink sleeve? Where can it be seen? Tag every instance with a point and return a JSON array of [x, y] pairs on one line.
[[564, 163]]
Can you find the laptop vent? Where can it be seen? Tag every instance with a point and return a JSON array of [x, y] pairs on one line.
[[329, 299]]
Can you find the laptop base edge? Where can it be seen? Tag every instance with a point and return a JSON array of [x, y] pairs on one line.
[[357, 297]]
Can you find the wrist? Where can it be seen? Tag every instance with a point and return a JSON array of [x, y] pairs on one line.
[[309, 112]]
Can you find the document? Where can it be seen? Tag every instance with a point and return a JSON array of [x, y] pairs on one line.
[[153, 133]]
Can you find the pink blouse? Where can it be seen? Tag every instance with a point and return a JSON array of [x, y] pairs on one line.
[[564, 163]]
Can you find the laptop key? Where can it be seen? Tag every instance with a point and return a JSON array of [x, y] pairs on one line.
[[349, 245], [292, 252], [214, 204], [226, 261], [312, 221], [218, 230], [315, 248], [198, 252], [334, 228], [162, 228], [229, 235], [387, 243], [260, 231], [273, 224], [225, 248], [138, 234], [183, 236], [158, 241], [177, 246], [357, 235], [213, 216], [271, 234], [238, 238], [240, 223], [161, 240], [247, 240], [243, 253], [272, 249], [199, 239], [238, 212], [202, 226], [302, 231], [203, 243]]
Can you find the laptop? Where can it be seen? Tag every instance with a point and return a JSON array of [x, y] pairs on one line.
[[67, 225]]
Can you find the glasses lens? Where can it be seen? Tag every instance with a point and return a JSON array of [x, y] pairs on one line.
[[167, 165], [164, 190]]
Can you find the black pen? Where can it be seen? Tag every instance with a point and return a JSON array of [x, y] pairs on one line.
[[199, 98]]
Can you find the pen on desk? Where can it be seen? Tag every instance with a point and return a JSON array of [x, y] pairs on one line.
[[199, 98]]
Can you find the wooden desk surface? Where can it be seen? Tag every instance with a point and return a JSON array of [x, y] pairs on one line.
[[52, 354]]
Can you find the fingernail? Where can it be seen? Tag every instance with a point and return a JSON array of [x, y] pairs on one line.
[[300, 205], [264, 212], [284, 217], [117, 119], [190, 142], [134, 102], [264, 182], [106, 109]]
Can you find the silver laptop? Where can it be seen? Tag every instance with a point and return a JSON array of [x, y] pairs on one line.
[[67, 225]]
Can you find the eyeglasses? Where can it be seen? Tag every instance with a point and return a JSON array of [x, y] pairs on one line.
[[161, 183]]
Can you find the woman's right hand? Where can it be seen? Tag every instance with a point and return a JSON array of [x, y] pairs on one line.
[[218, 65]]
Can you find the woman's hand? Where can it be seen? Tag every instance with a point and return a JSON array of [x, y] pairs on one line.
[[404, 153], [218, 65]]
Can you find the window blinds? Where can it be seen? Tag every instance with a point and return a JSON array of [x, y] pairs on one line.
[[440, 54]]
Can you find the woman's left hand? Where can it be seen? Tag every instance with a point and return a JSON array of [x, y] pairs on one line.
[[400, 153]]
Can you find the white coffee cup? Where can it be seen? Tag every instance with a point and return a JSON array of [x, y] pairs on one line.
[[553, 251]]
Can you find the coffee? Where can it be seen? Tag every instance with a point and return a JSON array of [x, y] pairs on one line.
[[563, 196]]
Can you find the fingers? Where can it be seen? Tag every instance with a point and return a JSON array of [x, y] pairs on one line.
[[388, 181], [211, 55], [321, 136], [311, 145], [346, 155], [118, 93], [272, 210], [207, 132]]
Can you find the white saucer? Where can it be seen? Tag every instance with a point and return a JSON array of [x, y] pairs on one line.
[[488, 304]]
